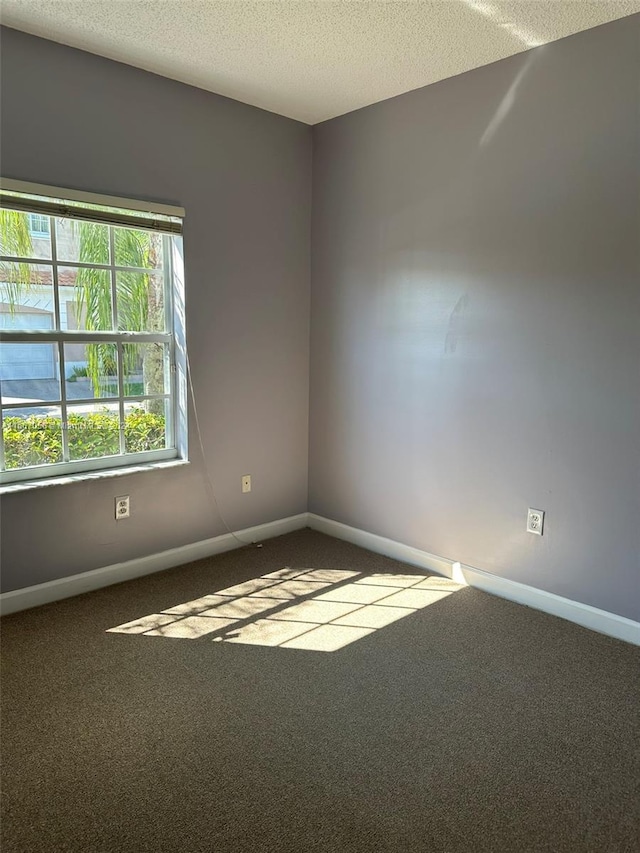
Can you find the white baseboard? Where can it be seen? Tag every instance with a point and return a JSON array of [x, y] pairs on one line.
[[582, 614], [45, 593], [380, 545]]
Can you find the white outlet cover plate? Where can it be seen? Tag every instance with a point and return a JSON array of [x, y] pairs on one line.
[[246, 483], [535, 521], [122, 507]]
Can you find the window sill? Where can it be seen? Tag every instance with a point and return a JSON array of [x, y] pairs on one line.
[[87, 476]]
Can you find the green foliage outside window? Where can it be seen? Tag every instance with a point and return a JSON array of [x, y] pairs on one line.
[[37, 440]]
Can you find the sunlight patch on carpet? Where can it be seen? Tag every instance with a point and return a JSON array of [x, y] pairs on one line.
[[319, 610]]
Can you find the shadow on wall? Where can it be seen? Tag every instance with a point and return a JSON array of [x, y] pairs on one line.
[[315, 609]]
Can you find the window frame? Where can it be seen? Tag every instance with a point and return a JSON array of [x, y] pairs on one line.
[[173, 336]]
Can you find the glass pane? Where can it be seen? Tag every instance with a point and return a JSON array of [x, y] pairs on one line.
[[29, 373], [140, 249], [145, 426], [91, 370], [77, 240], [140, 299], [146, 369], [85, 299], [31, 438], [93, 431], [24, 235], [26, 296]]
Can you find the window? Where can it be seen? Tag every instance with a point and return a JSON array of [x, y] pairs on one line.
[[38, 225], [92, 372]]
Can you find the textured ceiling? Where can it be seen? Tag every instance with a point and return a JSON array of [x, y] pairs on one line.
[[305, 59]]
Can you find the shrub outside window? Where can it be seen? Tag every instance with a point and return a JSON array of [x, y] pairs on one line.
[[91, 334]]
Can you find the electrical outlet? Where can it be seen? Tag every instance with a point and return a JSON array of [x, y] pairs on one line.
[[535, 521], [246, 483], [122, 507]]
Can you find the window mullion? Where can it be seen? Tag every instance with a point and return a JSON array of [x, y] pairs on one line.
[[54, 260], [64, 424], [82, 337], [63, 405], [167, 278], [9, 406], [15, 259], [119, 346], [121, 396], [80, 265], [112, 259]]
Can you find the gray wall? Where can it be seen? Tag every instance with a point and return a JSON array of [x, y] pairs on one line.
[[72, 119], [475, 345], [475, 303]]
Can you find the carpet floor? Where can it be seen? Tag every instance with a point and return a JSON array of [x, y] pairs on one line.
[[342, 713]]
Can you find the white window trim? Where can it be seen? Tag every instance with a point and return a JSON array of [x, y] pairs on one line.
[[139, 205], [176, 427], [91, 476]]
